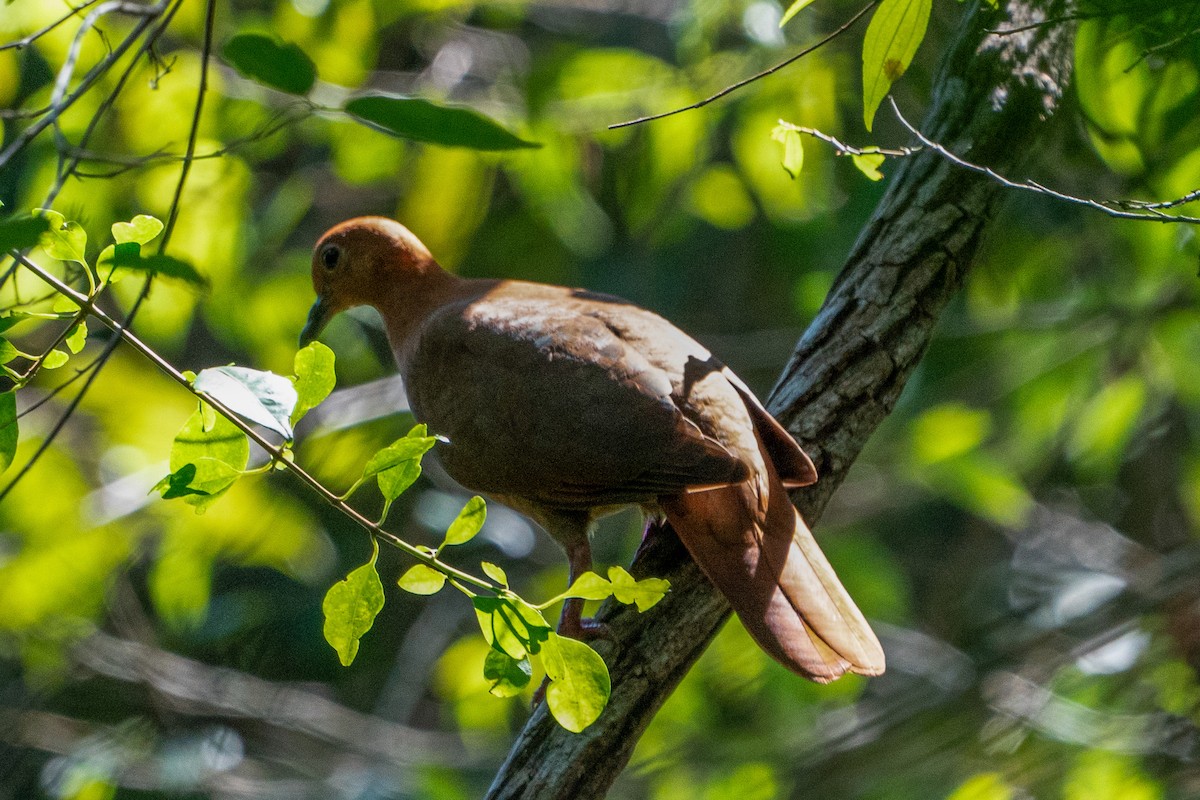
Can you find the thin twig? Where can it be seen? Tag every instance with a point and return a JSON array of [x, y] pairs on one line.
[[844, 149], [25, 41], [769, 71], [1152, 213]]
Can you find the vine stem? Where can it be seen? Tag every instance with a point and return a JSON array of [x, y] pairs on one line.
[[277, 454]]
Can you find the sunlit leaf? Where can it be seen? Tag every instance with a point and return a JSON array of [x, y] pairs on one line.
[[506, 675], [128, 256], [868, 164], [262, 397], [209, 454], [644, 593], [21, 233], [579, 682], [395, 481], [55, 359], [424, 121], [793, 149], [495, 573], [508, 627], [8, 428], [892, 39], [590, 586], [948, 430], [77, 337], [140, 230], [350, 608], [410, 447], [468, 522], [314, 379], [794, 9], [65, 240], [422, 579], [7, 351], [280, 65]]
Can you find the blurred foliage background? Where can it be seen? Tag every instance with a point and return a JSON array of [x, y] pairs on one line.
[[1022, 529]]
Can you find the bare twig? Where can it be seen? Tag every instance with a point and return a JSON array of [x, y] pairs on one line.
[[770, 71], [844, 149], [1145, 211], [25, 41]]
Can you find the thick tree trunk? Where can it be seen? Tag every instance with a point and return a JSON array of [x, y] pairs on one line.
[[990, 100]]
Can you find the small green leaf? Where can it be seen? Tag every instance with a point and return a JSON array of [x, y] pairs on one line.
[[644, 593], [507, 675], [140, 230], [207, 437], [350, 608], [395, 481], [579, 682], [280, 65], [314, 379], [65, 240], [21, 233], [495, 573], [423, 121], [8, 428], [892, 39], [421, 579], [868, 164], [793, 149], [77, 337], [589, 586], [412, 446], [55, 359], [128, 256], [7, 351], [467, 523], [794, 9], [64, 305], [262, 397], [509, 628]]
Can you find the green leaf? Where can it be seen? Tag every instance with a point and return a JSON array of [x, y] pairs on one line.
[[7, 351], [793, 149], [509, 628], [495, 573], [280, 65], [411, 447], [467, 523], [506, 675], [314, 379], [868, 164], [589, 586], [423, 121], [395, 481], [21, 233], [217, 451], [350, 608], [892, 39], [140, 230], [262, 397], [128, 256], [579, 682], [77, 337], [55, 359], [422, 579], [644, 593], [8, 428], [794, 9], [65, 240], [64, 305]]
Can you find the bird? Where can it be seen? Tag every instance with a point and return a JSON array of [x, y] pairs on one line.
[[566, 405]]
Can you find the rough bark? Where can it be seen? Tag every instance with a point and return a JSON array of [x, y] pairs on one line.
[[990, 100]]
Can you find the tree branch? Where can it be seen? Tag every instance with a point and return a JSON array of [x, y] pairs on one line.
[[990, 99]]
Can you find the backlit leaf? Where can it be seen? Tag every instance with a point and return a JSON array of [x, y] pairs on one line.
[[892, 39], [794, 9], [65, 240], [265, 59], [495, 573], [395, 481], [206, 438], [579, 682], [350, 608], [868, 164], [506, 675], [590, 586], [8, 428], [423, 121], [467, 523], [139, 230], [7, 351], [128, 256], [644, 593], [412, 446], [793, 149], [422, 579], [314, 379], [262, 397], [55, 359], [77, 337]]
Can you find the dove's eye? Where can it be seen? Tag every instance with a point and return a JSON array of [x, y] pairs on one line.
[[330, 256]]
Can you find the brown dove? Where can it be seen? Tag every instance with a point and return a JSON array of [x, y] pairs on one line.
[[567, 405]]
